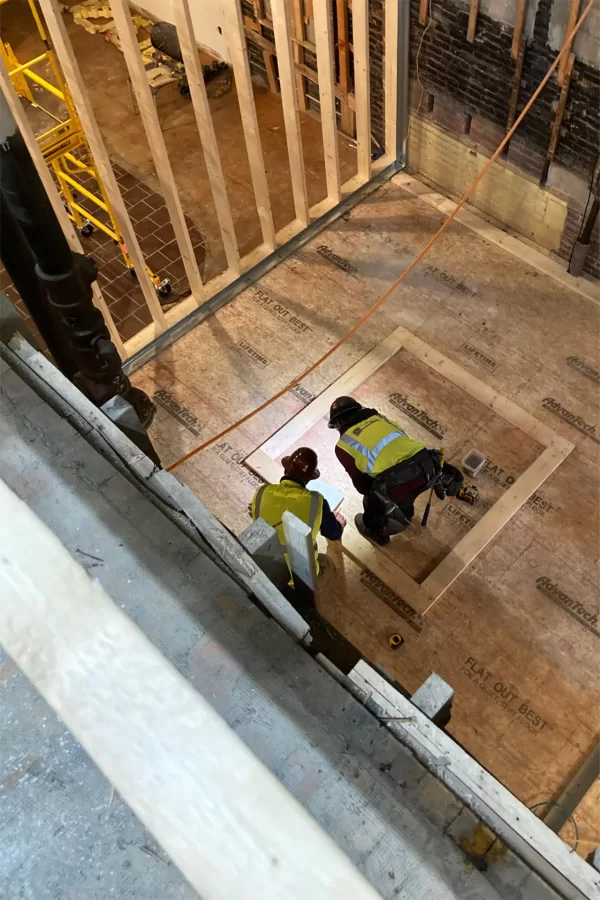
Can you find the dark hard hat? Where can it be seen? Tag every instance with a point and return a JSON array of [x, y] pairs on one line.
[[302, 464], [340, 407]]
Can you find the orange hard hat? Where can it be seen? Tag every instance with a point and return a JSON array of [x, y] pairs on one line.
[[301, 464]]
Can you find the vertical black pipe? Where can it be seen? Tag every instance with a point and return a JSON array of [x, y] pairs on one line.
[[20, 262], [65, 277]]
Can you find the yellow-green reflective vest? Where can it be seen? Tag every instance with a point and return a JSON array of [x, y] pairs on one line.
[[376, 444], [271, 501]]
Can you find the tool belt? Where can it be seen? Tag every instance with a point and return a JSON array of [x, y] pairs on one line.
[[425, 464]]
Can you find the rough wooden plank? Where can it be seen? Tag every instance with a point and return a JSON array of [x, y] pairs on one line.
[[243, 84], [206, 798], [325, 70], [520, 17], [156, 141], [212, 157], [289, 99], [564, 63], [488, 527], [72, 73], [360, 43], [510, 819], [516, 85], [472, 26], [58, 206], [391, 63]]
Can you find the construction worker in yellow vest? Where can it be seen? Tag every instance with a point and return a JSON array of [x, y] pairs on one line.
[[387, 467], [291, 494]]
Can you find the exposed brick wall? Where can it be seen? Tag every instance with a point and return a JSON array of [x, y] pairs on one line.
[[470, 85], [467, 89], [376, 39]]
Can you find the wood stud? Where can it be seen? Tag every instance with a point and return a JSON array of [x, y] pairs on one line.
[[243, 84], [390, 77], [156, 141], [212, 158], [343, 48], [520, 17], [75, 83], [360, 42], [323, 38], [289, 99], [300, 36], [564, 62], [472, 26], [290, 44]]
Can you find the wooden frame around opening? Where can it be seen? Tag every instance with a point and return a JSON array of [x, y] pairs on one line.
[[422, 596]]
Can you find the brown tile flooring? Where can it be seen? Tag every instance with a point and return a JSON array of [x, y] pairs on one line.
[[151, 223]]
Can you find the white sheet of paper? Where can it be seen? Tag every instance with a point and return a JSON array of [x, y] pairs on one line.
[[332, 494]]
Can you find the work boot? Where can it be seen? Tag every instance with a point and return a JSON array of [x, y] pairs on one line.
[[381, 539]]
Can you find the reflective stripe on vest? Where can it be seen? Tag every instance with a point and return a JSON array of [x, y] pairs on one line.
[[372, 455], [272, 500], [382, 444]]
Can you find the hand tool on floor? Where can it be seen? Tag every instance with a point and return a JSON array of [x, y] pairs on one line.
[[468, 493]]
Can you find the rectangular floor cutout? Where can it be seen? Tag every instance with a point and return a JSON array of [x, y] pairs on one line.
[[421, 565]]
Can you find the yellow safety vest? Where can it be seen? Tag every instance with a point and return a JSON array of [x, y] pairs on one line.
[[376, 444], [271, 501]]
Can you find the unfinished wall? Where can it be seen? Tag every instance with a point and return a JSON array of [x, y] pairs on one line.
[[460, 97], [466, 92]]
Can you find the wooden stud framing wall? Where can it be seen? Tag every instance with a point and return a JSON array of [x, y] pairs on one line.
[[422, 597], [287, 19]]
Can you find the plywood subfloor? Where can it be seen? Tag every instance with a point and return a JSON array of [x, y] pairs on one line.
[[511, 635]]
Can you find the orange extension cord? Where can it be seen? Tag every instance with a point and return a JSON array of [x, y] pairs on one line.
[[413, 264]]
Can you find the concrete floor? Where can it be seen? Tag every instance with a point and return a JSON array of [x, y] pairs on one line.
[[64, 835]]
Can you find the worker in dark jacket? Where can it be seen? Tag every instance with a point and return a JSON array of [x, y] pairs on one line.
[[387, 467], [291, 494]]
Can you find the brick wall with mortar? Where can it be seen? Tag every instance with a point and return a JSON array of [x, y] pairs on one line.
[[467, 88]]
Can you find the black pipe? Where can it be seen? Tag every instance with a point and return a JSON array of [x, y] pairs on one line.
[[65, 278], [590, 222], [19, 262]]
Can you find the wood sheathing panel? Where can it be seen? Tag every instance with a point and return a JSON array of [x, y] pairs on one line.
[[517, 634]]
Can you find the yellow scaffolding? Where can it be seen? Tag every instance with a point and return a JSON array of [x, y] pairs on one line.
[[60, 143]]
